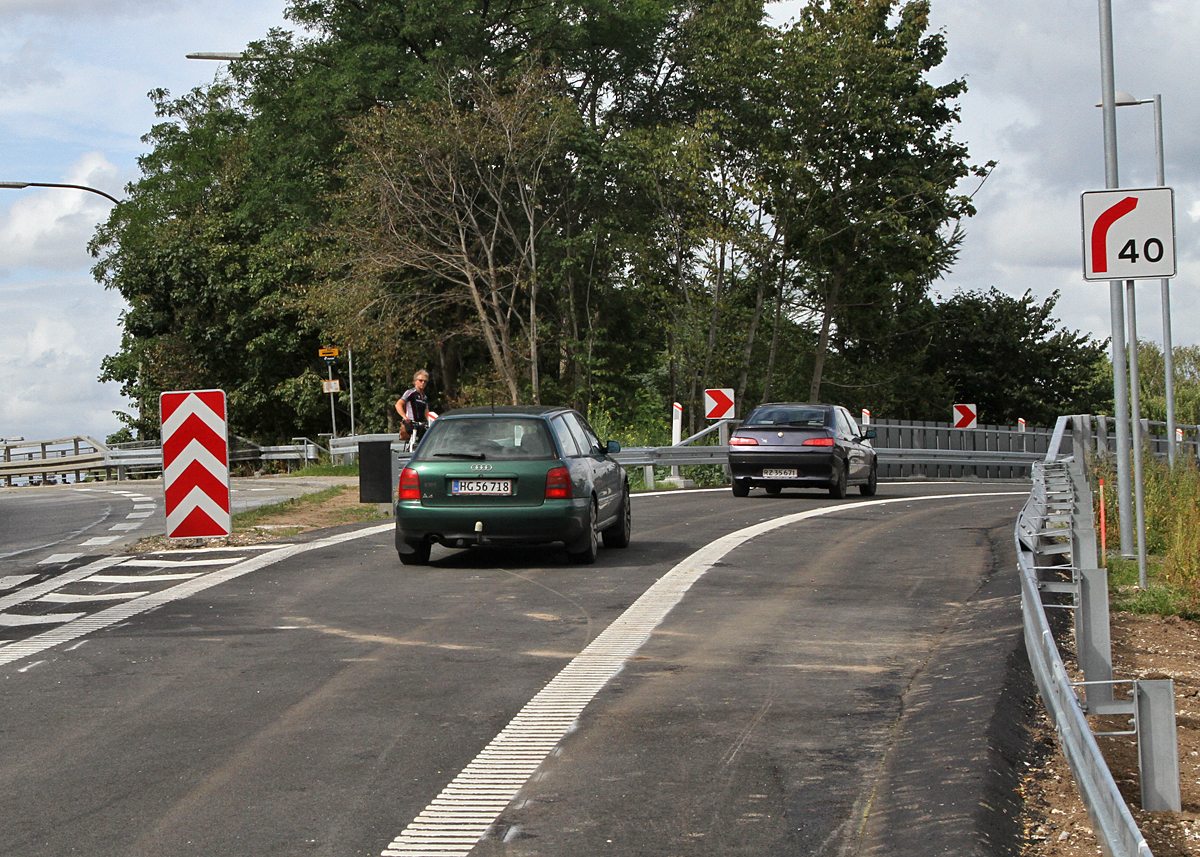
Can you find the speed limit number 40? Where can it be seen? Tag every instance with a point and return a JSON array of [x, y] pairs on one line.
[[1129, 234]]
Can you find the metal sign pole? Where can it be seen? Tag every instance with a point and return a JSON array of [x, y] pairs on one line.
[[1168, 348], [332, 408], [1116, 300], [350, 354], [1135, 398]]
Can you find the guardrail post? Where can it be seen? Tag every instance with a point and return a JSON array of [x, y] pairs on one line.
[[1094, 639], [1158, 745], [648, 475]]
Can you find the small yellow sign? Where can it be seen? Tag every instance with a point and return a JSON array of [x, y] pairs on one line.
[[327, 352]]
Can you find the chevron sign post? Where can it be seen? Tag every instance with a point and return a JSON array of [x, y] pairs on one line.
[[195, 448]]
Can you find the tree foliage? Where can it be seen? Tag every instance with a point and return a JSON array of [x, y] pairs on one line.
[[620, 202], [1009, 356]]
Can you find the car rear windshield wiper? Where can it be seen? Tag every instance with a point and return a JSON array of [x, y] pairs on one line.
[[477, 456]]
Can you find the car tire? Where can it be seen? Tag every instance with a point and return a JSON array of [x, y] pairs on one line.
[[774, 490], [419, 555], [617, 535], [869, 488], [586, 555], [838, 489], [741, 488]]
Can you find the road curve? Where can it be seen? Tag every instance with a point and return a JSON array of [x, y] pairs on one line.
[[319, 701]]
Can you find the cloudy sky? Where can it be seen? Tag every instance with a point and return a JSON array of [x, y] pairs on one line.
[[74, 76]]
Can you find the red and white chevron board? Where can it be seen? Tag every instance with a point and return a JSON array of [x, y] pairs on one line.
[[195, 446]]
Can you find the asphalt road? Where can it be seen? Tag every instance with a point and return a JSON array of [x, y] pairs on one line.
[[55, 525], [826, 683]]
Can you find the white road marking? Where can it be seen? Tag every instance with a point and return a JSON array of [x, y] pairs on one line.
[[15, 580], [466, 808], [99, 540], [60, 558], [67, 598], [140, 578], [118, 613], [179, 563], [123, 527], [134, 515], [225, 549], [38, 589], [16, 620]]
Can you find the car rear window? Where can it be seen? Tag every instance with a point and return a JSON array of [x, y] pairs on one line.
[[796, 417], [493, 438]]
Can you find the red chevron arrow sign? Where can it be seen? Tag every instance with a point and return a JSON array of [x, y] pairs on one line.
[[718, 404], [965, 416], [195, 463]]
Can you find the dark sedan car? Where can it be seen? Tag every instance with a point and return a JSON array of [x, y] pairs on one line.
[[512, 475], [802, 445]]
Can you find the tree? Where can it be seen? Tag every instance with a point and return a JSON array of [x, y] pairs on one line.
[[205, 307], [864, 168], [1010, 357], [1153, 372], [452, 196]]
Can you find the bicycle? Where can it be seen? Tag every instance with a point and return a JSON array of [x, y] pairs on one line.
[[414, 436]]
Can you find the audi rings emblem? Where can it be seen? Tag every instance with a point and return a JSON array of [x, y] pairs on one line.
[[481, 467]]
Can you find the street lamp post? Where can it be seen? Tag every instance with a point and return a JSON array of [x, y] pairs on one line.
[[1124, 99], [1116, 299], [23, 185]]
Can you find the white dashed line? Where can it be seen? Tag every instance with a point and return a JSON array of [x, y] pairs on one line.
[[15, 580], [16, 620], [139, 578], [67, 598], [123, 527], [60, 558], [180, 563], [110, 616], [99, 540], [134, 515]]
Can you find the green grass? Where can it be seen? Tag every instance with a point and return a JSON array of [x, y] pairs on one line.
[[253, 517], [326, 470]]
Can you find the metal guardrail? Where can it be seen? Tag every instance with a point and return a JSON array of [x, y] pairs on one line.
[[905, 449], [1056, 553], [45, 458]]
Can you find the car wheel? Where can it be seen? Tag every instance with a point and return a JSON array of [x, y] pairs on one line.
[[838, 489], [872, 484], [419, 555], [774, 489], [590, 543], [741, 488], [617, 536]]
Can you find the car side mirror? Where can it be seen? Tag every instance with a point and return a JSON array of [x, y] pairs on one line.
[[868, 434], [613, 447]]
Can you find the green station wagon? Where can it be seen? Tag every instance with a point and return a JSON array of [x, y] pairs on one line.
[[512, 475]]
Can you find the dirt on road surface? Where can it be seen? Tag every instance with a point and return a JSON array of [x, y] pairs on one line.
[[1055, 821]]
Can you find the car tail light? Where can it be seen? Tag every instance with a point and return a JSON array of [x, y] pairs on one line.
[[558, 484], [410, 485], [818, 441], [742, 441]]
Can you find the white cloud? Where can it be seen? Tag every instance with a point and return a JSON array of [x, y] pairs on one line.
[[49, 228], [73, 8], [57, 330]]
